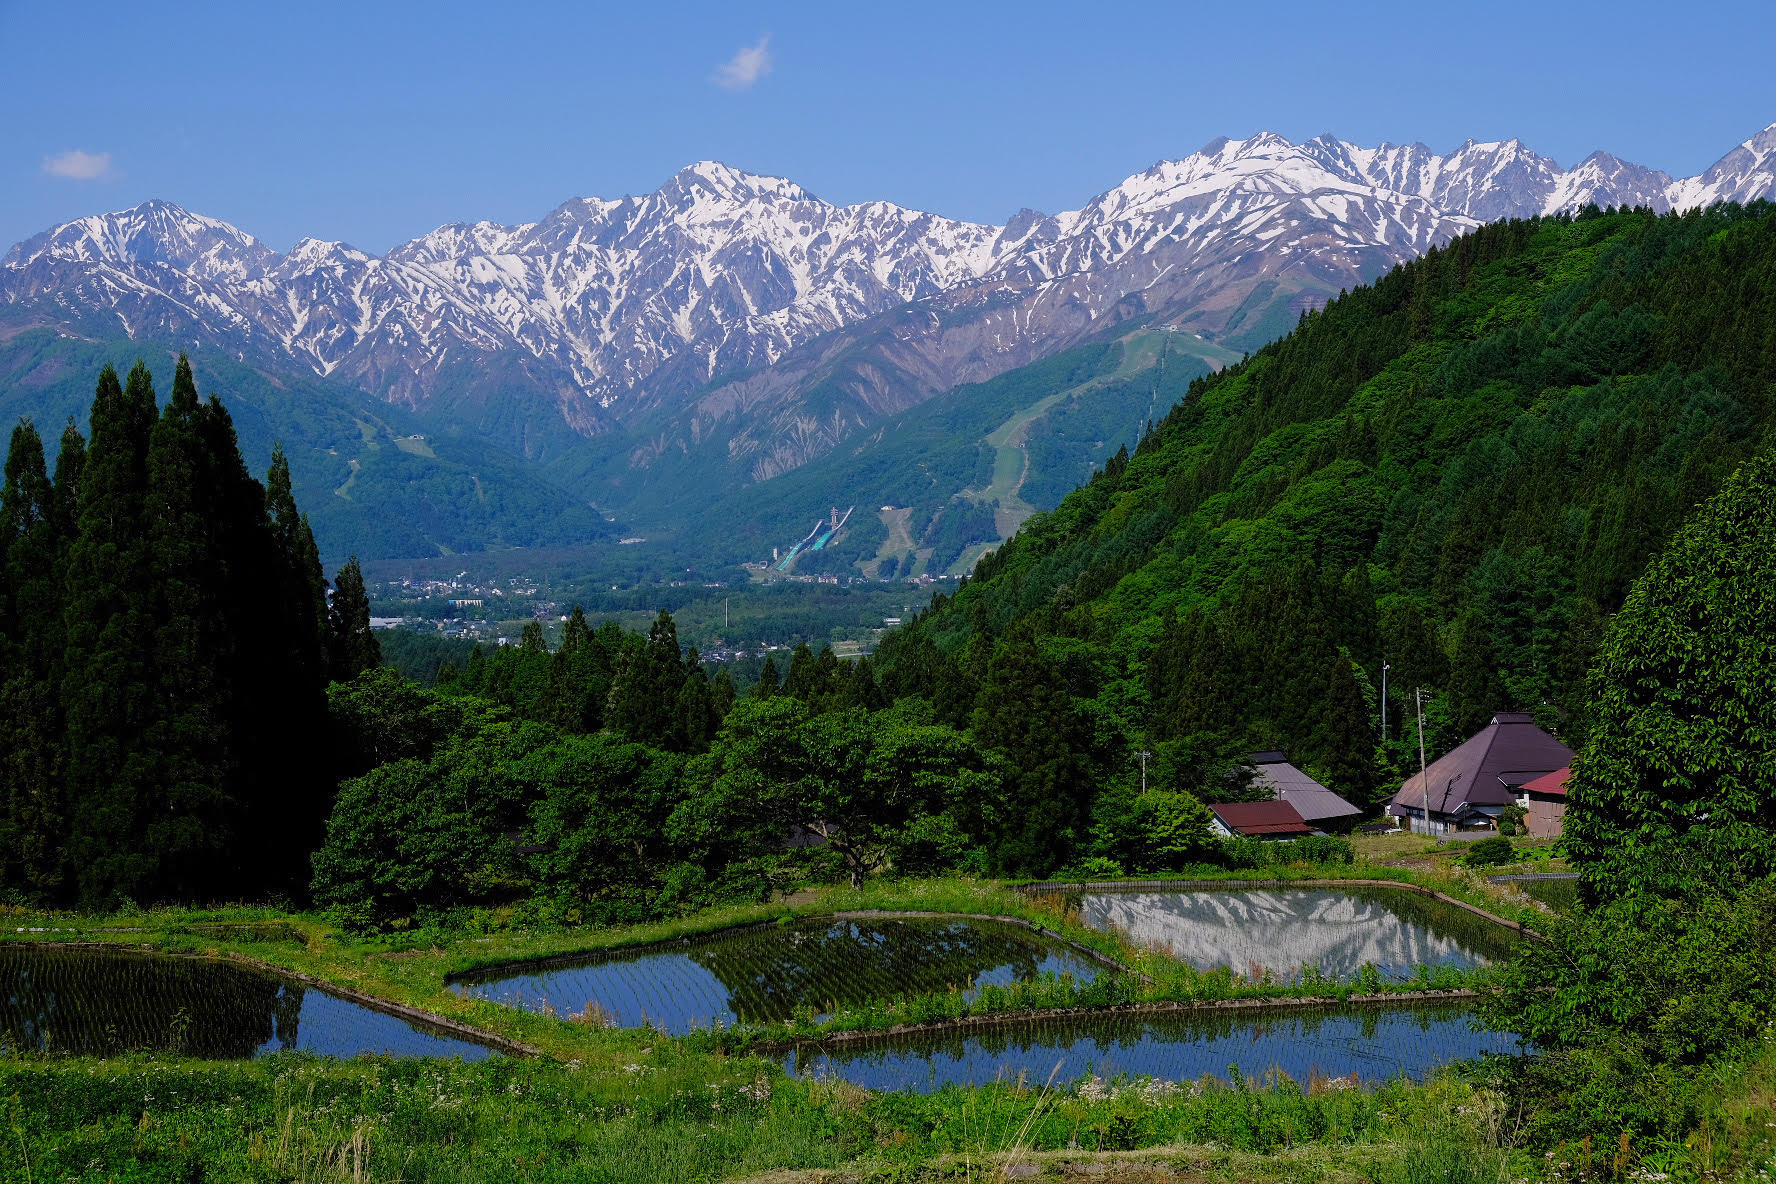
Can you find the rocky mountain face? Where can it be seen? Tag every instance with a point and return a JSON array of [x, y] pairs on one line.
[[740, 318]]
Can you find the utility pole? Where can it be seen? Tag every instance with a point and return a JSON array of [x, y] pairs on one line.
[[1418, 700], [1144, 754], [1384, 699]]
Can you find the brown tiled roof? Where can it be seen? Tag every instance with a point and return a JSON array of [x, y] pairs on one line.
[[1488, 768], [1261, 818], [1554, 782]]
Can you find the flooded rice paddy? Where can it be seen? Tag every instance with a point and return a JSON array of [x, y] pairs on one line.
[[763, 974], [1362, 1045], [102, 1003], [1279, 931]]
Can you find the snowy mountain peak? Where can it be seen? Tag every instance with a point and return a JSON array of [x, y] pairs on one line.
[[644, 302], [712, 178], [315, 252], [153, 233]]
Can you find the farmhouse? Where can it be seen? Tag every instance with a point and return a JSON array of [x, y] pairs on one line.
[[1462, 794], [1258, 820], [1544, 803], [1318, 806]]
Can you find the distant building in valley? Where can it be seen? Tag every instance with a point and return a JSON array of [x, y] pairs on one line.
[[1544, 803], [1318, 806], [1258, 820], [1471, 786]]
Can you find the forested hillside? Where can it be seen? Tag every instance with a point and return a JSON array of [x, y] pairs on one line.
[[1457, 472], [372, 477]]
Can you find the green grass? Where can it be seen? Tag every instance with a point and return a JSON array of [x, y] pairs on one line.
[[294, 1118]]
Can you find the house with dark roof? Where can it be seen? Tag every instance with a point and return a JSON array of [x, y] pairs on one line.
[[1318, 806], [1544, 803], [1462, 794], [1258, 820]]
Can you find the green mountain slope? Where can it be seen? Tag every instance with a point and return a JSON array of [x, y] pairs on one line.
[[1457, 471], [960, 472], [373, 480]]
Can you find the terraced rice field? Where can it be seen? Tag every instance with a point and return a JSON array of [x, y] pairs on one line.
[[1358, 1046], [765, 973], [1280, 931], [101, 1003]]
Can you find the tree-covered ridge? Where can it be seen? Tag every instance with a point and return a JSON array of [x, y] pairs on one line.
[[1457, 471]]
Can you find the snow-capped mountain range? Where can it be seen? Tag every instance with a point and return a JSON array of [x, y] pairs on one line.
[[704, 313]]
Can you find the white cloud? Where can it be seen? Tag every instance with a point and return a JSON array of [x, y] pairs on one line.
[[746, 67], [76, 165]]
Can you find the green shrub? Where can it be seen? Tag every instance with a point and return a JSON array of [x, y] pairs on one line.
[[1490, 852]]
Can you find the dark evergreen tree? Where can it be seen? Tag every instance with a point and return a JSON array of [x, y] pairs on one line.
[[107, 683], [802, 680], [721, 694], [1344, 738], [643, 701], [697, 718], [304, 587], [768, 683], [188, 818], [69, 473], [1475, 692], [32, 806], [1026, 713], [348, 625], [857, 687]]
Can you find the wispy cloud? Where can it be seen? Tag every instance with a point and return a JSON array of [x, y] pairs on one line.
[[746, 67], [75, 165]]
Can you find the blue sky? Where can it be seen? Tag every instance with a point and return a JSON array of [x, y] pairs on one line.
[[373, 122]]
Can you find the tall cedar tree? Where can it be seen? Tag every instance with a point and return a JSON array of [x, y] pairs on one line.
[[1026, 713], [32, 807], [644, 694], [107, 684], [354, 645], [189, 824], [265, 581], [303, 585]]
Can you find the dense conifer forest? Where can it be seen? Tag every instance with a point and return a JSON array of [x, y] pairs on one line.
[[165, 645]]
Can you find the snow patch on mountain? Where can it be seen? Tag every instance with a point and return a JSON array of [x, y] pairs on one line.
[[637, 301]]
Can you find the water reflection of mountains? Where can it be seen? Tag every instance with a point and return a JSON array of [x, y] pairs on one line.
[[1337, 930], [1374, 1044], [763, 974], [96, 1003]]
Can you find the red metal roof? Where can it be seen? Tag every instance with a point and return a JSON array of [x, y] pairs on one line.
[[1554, 782], [1261, 818]]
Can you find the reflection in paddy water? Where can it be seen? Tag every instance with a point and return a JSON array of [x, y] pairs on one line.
[[762, 974], [1282, 930], [1374, 1044], [100, 1003]]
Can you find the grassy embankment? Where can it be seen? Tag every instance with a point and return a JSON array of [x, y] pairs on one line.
[[413, 968], [608, 1104]]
